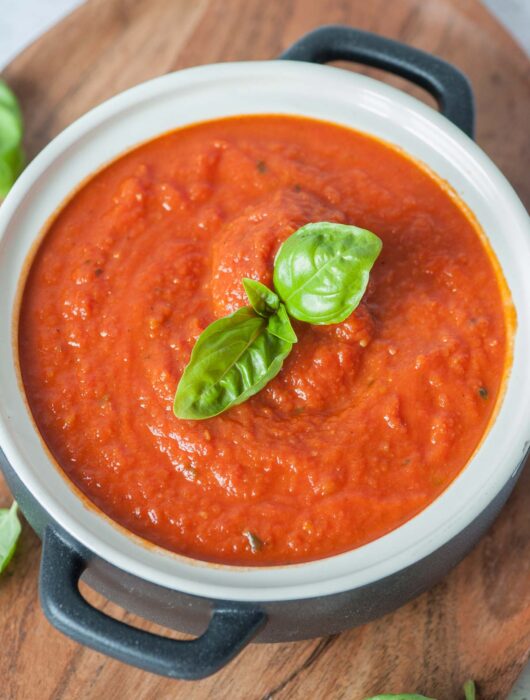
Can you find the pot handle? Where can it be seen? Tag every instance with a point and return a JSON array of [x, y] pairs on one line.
[[230, 629], [446, 83]]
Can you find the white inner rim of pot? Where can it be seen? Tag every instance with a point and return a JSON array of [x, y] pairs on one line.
[[280, 87]]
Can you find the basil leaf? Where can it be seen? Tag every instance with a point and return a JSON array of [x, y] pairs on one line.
[[9, 533], [321, 271], [262, 299], [280, 326], [470, 691], [320, 274], [233, 359], [400, 696], [11, 154]]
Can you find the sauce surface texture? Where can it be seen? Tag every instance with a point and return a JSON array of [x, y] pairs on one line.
[[367, 422]]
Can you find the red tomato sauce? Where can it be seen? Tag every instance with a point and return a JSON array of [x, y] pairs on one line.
[[368, 421]]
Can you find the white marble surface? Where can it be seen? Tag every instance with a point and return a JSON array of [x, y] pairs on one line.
[[515, 15], [22, 21]]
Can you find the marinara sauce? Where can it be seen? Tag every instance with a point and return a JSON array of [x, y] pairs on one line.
[[368, 421]]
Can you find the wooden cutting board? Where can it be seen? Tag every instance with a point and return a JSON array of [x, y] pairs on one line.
[[476, 623]]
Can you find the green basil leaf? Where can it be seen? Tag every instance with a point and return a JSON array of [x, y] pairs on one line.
[[262, 299], [470, 691], [280, 326], [9, 533], [399, 696], [11, 154], [321, 271], [233, 359]]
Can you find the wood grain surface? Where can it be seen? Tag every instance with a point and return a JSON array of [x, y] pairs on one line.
[[476, 623]]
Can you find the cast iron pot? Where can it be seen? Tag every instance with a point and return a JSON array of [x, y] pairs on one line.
[[230, 606]]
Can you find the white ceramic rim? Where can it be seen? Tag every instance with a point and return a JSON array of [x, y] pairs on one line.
[[276, 87]]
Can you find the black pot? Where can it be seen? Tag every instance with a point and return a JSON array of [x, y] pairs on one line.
[[230, 606]]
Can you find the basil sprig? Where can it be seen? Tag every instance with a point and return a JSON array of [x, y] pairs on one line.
[[11, 154], [9, 533], [320, 275]]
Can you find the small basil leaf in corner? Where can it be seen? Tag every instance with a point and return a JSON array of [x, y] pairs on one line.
[[9, 533], [233, 359], [262, 299], [11, 129], [400, 696], [322, 270], [470, 691], [280, 326]]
